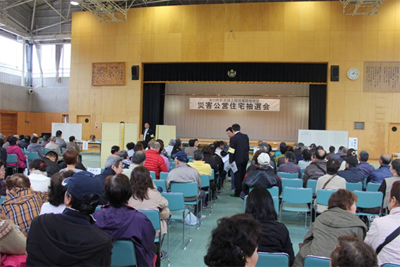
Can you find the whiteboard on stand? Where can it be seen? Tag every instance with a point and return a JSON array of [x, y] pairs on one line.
[[324, 138], [67, 129]]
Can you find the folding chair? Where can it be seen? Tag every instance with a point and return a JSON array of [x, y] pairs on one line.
[[32, 155], [205, 182], [297, 200], [272, 259], [153, 175], [190, 158], [274, 191], [373, 187], [154, 217], [369, 200], [302, 171], [390, 265], [354, 186], [161, 183], [316, 261], [2, 198], [323, 196], [312, 184], [291, 183], [176, 204], [164, 175], [288, 175], [171, 165], [123, 253], [12, 158], [189, 190]]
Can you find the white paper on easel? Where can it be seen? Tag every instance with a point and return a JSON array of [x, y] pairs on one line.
[[234, 167], [85, 145]]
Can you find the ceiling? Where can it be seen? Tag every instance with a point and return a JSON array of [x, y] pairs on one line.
[[50, 20]]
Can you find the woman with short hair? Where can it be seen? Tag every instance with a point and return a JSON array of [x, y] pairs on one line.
[[38, 175], [234, 242], [275, 236], [351, 251], [70, 157], [13, 148], [121, 221], [338, 220]]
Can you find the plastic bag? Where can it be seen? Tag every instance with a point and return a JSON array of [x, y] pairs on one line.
[[190, 219]]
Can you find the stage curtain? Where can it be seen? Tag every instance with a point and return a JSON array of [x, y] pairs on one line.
[[317, 107], [153, 104]]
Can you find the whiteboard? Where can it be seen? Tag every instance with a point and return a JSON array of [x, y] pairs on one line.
[[324, 138], [67, 129]]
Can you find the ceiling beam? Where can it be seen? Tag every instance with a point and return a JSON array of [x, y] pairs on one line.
[[52, 25], [18, 4], [33, 15], [51, 6]]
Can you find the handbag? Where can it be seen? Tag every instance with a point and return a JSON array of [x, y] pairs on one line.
[[388, 239]]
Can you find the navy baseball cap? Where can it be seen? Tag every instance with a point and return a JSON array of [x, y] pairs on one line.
[[83, 183], [181, 156]]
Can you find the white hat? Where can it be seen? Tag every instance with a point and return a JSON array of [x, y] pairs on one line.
[[263, 159]]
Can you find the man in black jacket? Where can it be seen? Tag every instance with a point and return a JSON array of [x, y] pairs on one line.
[[148, 134], [351, 174], [239, 154]]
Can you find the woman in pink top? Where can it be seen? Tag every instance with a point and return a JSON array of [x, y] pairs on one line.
[[14, 149]]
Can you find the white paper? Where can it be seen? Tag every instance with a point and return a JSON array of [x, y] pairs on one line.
[[95, 171], [85, 145], [234, 167], [225, 159]]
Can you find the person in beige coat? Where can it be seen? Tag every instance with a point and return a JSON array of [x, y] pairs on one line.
[[146, 197], [12, 240]]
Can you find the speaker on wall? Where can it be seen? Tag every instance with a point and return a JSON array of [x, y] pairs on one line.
[[135, 72], [334, 73]]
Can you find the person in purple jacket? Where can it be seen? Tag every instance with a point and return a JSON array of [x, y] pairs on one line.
[[121, 221]]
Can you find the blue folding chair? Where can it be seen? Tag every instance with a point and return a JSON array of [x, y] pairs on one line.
[[323, 196], [154, 217], [312, 184], [369, 200], [171, 165], [288, 175], [176, 205], [163, 175], [373, 187], [161, 183], [297, 200], [190, 158], [12, 158], [390, 265], [205, 182], [32, 155], [302, 171], [123, 254], [153, 175], [354, 186], [291, 183], [2, 198], [272, 259], [189, 190], [316, 261]]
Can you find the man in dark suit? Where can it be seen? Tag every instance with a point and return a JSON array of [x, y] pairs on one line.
[[147, 135], [238, 153]]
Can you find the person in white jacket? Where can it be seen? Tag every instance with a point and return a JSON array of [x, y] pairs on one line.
[[382, 227]]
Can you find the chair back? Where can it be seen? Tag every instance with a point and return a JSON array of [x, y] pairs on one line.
[[373, 187], [32, 155], [369, 199], [172, 165], [272, 259], [190, 158], [288, 175], [154, 217], [161, 183], [123, 253], [2, 198], [164, 175], [297, 195], [354, 186], [274, 191], [212, 175], [12, 158], [302, 171], [291, 183], [312, 184], [205, 180], [390, 265], [176, 201], [316, 261], [188, 189], [153, 175], [323, 196]]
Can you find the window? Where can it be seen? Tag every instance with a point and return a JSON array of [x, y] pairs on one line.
[[49, 61], [11, 55]]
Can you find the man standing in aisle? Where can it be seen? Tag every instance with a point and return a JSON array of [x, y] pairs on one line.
[[147, 135], [239, 155]]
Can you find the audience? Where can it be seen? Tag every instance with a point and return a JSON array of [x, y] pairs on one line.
[[72, 144], [177, 148], [351, 251], [126, 162], [234, 242], [35, 147], [306, 159], [154, 162], [13, 148], [199, 164], [56, 193], [191, 148], [281, 158], [38, 176], [383, 227], [114, 150], [121, 221], [24, 141], [53, 146], [138, 159], [317, 167], [2, 177], [383, 172], [161, 152], [386, 185], [263, 176], [364, 166], [341, 154], [289, 166], [3, 151], [351, 174], [338, 220], [45, 141], [350, 153], [71, 159], [130, 146], [71, 238], [331, 152], [146, 197], [59, 140], [170, 146], [51, 159], [22, 204], [112, 166], [275, 236]]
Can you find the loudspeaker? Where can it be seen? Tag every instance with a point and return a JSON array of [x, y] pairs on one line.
[[334, 73], [135, 72]]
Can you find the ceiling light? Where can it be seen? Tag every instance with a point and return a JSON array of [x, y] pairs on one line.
[[74, 3]]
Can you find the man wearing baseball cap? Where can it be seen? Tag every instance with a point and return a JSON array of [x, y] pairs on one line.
[[70, 238]]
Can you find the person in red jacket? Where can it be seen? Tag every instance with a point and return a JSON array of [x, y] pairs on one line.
[[154, 162], [15, 149]]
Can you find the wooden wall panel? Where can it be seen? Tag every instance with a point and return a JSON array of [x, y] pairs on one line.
[[260, 32]]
